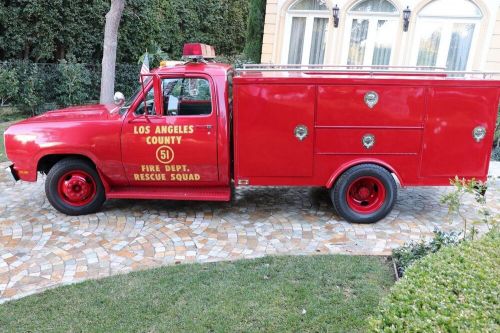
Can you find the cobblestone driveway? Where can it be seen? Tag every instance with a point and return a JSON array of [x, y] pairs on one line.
[[41, 248]]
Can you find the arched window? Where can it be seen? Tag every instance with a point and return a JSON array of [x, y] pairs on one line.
[[371, 32], [445, 37], [305, 32]]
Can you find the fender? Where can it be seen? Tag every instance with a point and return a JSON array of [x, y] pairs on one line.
[[343, 167], [64, 151]]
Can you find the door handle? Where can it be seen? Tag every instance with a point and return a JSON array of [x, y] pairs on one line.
[[208, 127], [137, 121]]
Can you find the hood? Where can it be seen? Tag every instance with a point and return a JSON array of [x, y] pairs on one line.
[[79, 113]]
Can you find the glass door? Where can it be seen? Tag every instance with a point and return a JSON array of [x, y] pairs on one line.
[[444, 37], [307, 41], [371, 41], [445, 44]]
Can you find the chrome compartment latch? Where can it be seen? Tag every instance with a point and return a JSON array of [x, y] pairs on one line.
[[368, 141], [479, 133], [301, 132], [371, 99]]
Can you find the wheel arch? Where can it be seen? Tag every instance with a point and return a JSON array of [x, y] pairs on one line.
[[46, 162], [344, 167]]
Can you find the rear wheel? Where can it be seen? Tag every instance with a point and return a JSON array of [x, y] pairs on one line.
[[73, 187], [365, 193]]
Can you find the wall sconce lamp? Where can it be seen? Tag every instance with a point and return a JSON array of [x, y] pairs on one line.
[[406, 18], [336, 10]]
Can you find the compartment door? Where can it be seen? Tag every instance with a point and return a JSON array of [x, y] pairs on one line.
[[449, 145], [269, 121]]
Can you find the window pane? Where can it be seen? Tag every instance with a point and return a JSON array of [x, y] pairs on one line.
[[359, 32], [384, 39], [381, 6], [186, 97], [318, 42], [297, 40], [149, 104], [429, 44], [461, 40], [309, 5], [461, 8]]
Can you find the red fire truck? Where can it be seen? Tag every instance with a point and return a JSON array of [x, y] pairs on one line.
[[194, 129]]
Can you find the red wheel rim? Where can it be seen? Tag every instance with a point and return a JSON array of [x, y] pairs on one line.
[[366, 195], [76, 188]]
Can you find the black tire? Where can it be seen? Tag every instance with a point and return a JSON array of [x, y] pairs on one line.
[[83, 170], [379, 202]]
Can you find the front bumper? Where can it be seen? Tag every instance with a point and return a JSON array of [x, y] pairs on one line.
[[12, 172]]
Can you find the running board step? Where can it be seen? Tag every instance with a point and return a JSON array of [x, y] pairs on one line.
[[172, 193]]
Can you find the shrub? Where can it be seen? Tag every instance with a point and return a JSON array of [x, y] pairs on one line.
[[405, 256], [48, 30], [453, 290], [43, 87], [73, 83], [127, 78], [495, 155], [9, 85], [31, 88], [255, 29], [237, 61]]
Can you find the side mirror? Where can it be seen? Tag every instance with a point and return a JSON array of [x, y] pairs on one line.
[[119, 98]]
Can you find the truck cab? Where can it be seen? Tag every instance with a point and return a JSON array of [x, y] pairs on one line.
[[195, 129]]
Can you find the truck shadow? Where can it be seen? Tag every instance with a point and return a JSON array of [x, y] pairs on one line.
[[264, 199]]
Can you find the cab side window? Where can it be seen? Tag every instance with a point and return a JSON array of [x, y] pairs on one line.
[[186, 97], [147, 107]]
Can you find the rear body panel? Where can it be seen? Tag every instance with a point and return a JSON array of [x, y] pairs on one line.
[[449, 147], [266, 144], [422, 125]]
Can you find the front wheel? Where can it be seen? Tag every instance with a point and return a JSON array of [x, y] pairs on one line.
[[365, 193], [73, 187]]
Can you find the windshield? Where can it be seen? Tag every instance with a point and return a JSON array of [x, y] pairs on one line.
[[131, 100]]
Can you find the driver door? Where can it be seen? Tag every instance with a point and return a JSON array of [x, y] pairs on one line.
[[177, 145]]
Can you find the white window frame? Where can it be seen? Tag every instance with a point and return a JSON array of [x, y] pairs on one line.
[[445, 40], [373, 19], [310, 15]]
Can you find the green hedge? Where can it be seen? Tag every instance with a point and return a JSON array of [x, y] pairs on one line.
[[453, 290], [255, 29], [41, 87], [50, 30]]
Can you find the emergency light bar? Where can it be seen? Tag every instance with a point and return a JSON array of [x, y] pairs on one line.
[[198, 51]]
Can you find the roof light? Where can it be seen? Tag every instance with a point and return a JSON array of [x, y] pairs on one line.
[[170, 63], [198, 51]]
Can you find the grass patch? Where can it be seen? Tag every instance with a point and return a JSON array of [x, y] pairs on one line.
[[338, 294]]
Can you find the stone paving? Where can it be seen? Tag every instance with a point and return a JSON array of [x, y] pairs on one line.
[[41, 248]]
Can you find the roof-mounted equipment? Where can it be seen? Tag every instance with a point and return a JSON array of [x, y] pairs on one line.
[[198, 51]]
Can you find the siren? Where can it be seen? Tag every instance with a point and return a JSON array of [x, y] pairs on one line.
[[198, 51]]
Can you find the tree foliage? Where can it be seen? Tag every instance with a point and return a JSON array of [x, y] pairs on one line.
[[49, 30], [73, 83], [255, 29], [31, 91], [9, 85]]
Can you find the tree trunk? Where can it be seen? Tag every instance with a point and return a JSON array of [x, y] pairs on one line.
[[113, 18]]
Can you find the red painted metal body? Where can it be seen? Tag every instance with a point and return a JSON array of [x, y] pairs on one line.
[[423, 127], [422, 124]]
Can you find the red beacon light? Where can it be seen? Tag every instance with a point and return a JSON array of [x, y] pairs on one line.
[[198, 51]]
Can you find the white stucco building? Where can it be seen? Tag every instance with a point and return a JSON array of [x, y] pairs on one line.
[[456, 34]]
